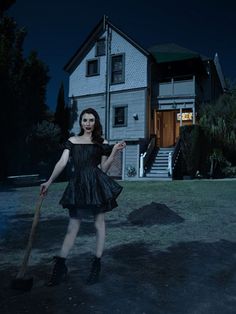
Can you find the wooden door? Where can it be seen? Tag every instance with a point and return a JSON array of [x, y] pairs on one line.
[[168, 128]]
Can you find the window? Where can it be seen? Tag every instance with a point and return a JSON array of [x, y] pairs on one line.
[[120, 116], [92, 67], [100, 48], [117, 69]]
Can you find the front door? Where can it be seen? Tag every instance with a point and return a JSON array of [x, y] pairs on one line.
[[165, 128], [168, 137]]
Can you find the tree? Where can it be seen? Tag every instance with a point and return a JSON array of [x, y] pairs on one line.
[[5, 5], [219, 124], [219, 121], [22, 93], [62, 114]]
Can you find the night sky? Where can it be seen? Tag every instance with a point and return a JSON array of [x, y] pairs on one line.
[[56, 29]]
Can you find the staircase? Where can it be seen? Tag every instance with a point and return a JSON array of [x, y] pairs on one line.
[[159, 168]]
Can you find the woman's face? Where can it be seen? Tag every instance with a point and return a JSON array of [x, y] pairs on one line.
[[88, 123]]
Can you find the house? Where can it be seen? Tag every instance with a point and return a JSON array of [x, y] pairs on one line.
[[142, 95]]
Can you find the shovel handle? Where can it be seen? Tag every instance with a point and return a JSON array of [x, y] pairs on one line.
[[24, 264]]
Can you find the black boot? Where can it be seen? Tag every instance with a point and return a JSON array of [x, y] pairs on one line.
[[59, 272], [95, 271]]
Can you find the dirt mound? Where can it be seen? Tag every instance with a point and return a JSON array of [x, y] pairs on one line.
[[154, 213]]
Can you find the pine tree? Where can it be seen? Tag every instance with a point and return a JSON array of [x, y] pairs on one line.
[[62, 114], [22, 93]]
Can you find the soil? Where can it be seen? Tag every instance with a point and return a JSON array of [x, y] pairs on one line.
[[140, 275]]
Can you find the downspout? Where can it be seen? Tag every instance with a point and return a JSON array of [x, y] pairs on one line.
[[107, 88]]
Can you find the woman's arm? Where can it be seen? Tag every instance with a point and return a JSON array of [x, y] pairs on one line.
[[106, 162], [60, 165]]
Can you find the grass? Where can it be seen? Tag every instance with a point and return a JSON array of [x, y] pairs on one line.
[[207, 207]]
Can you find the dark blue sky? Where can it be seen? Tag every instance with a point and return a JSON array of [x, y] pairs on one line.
[[56, 29]]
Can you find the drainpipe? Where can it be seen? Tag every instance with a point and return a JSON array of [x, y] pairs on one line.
[[107, 88]]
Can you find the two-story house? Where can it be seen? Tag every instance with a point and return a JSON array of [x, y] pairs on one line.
[[142, 95]]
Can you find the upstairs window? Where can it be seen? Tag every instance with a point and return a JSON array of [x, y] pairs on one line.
[[117, 69], [101, 47], [92, 67], [120, 116]]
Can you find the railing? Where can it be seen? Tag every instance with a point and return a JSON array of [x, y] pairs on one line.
[[170, 170], [145, 156], [174, 87], [173, 158]]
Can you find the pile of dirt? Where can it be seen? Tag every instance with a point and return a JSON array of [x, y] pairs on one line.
[[152, 214]]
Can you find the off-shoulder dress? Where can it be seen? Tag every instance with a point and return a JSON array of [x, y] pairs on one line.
[[90, 191]]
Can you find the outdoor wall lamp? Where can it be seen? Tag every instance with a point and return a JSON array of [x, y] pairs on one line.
[[135, 116]]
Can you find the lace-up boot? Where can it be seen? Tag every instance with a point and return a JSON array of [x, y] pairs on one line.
[[59, 272]]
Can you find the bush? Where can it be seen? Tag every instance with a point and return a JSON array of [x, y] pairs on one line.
[[190, 148], [229, 172]]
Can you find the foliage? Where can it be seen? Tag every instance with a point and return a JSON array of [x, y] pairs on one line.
[[229, 171], [131, 171], [62, 114], [73, 116], [22, 94], [44, 134], [190, 148], [218, 122], [217, 158], [5, 5]]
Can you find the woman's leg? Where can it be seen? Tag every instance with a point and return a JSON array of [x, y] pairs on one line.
[[100, 240], [70, 237], [60, 270], [100, 234]]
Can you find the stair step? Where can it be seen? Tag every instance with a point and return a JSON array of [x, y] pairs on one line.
[[158, 171], [153, 175]]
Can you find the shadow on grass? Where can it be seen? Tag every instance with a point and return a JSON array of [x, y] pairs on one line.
[[190, 277]]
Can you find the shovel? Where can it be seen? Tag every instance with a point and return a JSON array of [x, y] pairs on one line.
[[21, 282]]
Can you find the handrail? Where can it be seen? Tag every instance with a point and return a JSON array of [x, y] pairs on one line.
[[145, 156], [175, 157]]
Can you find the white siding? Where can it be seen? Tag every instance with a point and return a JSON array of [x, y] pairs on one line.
[[135, 64], [135, 70], [131, 158], [136, 103], [80, 84]]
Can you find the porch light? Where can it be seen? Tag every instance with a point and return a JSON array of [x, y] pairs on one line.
[[135, 116]]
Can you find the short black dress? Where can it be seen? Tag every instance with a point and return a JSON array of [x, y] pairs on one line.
[[90, 190]]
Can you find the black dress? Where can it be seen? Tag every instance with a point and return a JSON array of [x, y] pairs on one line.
[[90, 190]]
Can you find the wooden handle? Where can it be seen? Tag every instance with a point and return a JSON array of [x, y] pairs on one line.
[[24, 264]]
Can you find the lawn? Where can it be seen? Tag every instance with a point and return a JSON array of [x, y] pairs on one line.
[[177, 266]]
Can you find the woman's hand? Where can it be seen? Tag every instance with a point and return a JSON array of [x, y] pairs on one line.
[[44, 188], [119, 146]]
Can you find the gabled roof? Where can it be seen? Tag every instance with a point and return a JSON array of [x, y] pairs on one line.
[[171, 52], [93, 37]]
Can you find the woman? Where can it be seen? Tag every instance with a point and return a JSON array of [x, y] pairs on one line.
[[89, 192]]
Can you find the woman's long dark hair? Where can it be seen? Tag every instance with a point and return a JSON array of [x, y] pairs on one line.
[[97, 132]]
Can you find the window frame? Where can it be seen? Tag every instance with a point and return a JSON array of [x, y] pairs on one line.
[[104, 41], [125, 124], [122, 81], [98, 67]]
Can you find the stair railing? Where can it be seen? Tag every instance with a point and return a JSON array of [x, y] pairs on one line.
[[170, 170], [145, 156], [174, 158]]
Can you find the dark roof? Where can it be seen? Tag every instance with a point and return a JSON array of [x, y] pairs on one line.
[[93, 37], [171, 52]]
